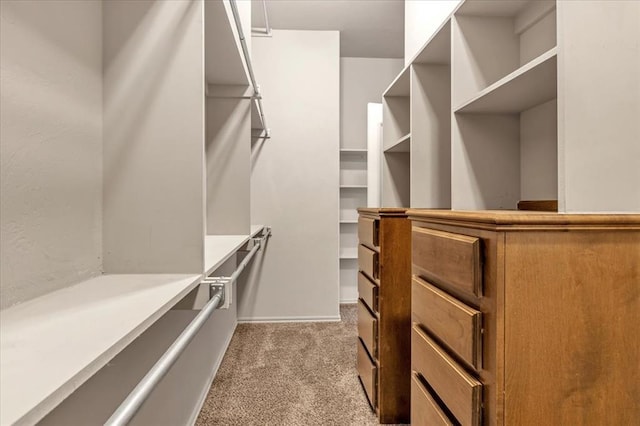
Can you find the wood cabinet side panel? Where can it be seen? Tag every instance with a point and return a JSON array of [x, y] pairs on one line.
[[572, 306], [394, 327]]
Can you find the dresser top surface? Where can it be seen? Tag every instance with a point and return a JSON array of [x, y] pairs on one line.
[[383, 211], [524, 218]]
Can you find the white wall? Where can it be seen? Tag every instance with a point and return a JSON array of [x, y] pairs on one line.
[[294, 178], [50, 146], [153, 136], [362, 80], [421, 19]]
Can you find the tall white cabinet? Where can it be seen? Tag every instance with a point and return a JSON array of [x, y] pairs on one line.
[[515, 101], [151, 98]]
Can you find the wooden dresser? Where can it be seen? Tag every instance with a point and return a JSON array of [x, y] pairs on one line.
[[384, 311], [525, 318]]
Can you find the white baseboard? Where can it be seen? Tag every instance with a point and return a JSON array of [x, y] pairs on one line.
[[214, 372], [348, 301], [288, 319]]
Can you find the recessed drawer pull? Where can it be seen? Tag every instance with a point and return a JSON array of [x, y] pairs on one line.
[[367, 372], [425, 411], [458, 390], [368, 232], [368, 261], [453, 322], [368, 292], [448, 258], [368, 328]]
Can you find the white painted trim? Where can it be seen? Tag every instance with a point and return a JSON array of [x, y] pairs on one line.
[[348, 301], [214, 373], [288, 319]]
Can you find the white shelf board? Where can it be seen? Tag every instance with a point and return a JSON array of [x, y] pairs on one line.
[[348, 253], [492, 8], [400, 86], [402, 145], [224, 61], [353, 186], [219, 248], [532, 84], [437, 50], [51, 345], [347, 151], [255, 229]]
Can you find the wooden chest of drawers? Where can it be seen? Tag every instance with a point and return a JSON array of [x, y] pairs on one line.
[[384, 312], [525, 318]]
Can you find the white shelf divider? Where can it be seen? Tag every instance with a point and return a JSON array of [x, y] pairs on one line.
[[52, 344], [402, 145], [532, 84], [353, 151]]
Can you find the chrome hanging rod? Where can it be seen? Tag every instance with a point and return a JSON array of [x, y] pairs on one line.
[[247, 58], [130, 406]]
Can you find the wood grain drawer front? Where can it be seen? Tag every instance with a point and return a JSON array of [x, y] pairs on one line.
[[368, 374], [425, 411], [368, 328], [368, 292], [449, 258], [457, 325], [368, 231], [459, 391], [368, 261]]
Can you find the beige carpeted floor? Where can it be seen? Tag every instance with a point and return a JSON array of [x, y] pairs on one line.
[[290, 374]]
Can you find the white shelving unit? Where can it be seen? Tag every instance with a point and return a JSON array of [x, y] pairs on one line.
[[504, 86], [54, 343], [353, 194], [515, 101], [396, 141], [157, 216]]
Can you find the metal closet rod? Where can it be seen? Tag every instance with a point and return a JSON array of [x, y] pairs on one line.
[[245, 51], [130, 406]]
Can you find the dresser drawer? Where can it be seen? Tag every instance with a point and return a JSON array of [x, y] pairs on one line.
[[424, 409], [368, 261], [368, 292], [368, 328], [367, 372], [459, 391], [457, 325], [368, 231], [448, 258]]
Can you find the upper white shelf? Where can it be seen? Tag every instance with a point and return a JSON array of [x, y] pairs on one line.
[[400, 86], [353, 186], [219, 248], [353, 151], [223, 58], [532, 84], [437, 50], [402, 145], [51, 345]]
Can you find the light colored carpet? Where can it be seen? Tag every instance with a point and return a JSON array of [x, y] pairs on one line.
[[290, 374]]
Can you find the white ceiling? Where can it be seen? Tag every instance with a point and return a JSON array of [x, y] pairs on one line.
[[368, 28]]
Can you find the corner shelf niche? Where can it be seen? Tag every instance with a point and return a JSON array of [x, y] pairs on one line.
[[504, 86], [396, 141]]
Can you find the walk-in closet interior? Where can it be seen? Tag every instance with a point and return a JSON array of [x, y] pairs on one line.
[[319, 212]]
